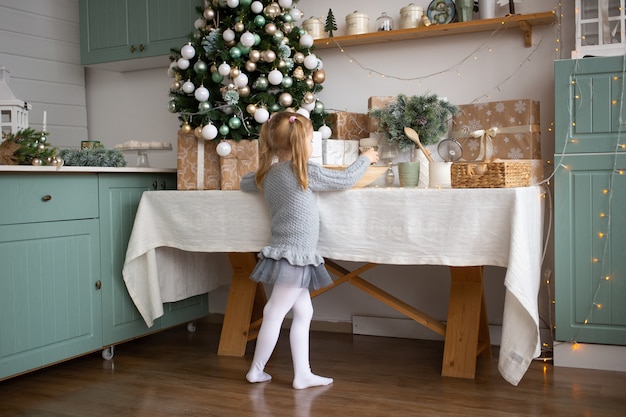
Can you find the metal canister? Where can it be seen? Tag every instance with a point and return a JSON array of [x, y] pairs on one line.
[[410, 16], [357, 23], [314, 27]]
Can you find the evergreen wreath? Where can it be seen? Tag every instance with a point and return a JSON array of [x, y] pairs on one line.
[[426, 114]]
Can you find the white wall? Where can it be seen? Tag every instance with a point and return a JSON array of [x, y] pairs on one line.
[[40, 47]]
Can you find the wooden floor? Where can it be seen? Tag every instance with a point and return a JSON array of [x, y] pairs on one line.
[[176, 373]]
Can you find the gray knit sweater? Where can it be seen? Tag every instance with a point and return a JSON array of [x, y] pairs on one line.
[[294, 212]]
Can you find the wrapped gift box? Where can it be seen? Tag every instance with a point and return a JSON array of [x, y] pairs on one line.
[[199, 167], [243, 158], [340, 152], [187, 175], [377, 102], [317, 154], [349, 126], [517, 134]]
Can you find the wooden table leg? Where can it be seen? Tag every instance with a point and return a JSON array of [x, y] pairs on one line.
[[467, 331], [243, 299]]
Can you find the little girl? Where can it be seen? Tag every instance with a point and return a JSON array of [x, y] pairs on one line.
[[287, 180]]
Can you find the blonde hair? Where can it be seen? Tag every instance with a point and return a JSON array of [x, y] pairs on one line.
[[285, 134]]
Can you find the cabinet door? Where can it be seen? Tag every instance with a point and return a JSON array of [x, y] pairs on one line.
[[115, 30], [589, 109], [590, 249], [119, 198], [50, 304]]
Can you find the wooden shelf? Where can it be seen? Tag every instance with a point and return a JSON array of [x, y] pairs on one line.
[[524, 22]]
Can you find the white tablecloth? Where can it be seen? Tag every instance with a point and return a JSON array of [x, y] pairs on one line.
[[180, 239]]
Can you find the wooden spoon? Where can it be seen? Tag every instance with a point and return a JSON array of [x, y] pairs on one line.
[[413, 135]]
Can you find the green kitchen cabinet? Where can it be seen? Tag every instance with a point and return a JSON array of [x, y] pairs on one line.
[[63, 239], [50, 301], [117, 30], [589, 201]]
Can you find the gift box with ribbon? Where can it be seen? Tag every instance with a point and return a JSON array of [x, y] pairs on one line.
[[501, 129], [340, 152], [199, 167]]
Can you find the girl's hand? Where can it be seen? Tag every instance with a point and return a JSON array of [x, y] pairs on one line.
[[371, 154]]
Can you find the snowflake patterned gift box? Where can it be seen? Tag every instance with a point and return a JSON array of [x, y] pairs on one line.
[[516, 123], [243, 158], [349, 125]]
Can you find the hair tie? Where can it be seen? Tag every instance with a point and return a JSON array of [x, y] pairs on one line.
[[292, 119]]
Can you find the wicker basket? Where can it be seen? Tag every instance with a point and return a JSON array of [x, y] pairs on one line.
[[494, 174]]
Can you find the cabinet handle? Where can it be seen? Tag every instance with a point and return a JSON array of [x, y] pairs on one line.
[[155, 185], [98, 284], [141, 47], [46, 198], [132, 49], [163, 185]]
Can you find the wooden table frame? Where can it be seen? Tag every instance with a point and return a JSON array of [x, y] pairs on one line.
[[466, 330]]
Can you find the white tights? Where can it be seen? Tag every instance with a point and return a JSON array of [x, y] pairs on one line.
[[282, 300]]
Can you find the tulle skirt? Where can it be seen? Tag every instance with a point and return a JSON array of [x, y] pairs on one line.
[[272, 271]]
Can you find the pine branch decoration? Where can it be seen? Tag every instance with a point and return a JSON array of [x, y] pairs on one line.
[[426, 114]]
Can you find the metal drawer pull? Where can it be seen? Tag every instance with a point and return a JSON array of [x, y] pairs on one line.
[[98, 284], [132, 49], [46, 198]]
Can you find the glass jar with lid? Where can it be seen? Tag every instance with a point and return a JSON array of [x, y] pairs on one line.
[[384, 23]]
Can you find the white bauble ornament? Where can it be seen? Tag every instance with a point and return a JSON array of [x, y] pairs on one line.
[[324, 130], [304, 112], [182, 63], [310, 62], [275, 77], [247, 39], [223, 148], [261, 115], [201, 94], [256, 7], [228, 35], [209, 132], [199, 23], [188, 51], [295, 14], [224, 69], [188, 87], [241, 80], [233, 3], [308, 106], [285, 4], [306, 41]]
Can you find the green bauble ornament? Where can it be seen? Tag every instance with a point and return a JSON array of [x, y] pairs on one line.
[[259, 21], [274, 107], [319, 107], [204, 106], [224, 130], [234, 122], [171, 106], [261, 83], [217, 77], [287, 82], [200, 67], [234, 52], [245, 3]]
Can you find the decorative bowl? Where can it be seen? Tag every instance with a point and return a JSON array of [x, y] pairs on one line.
[[371, 175]]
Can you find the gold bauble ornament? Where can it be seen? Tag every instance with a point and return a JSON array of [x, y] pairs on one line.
[[287, 27], [270, 28], [268, 56], [209, 14], [250, 66], [250, 108], [230, 44], [239, 27], [298, 73], [309, 83], [234, 73], [319, 76], [197, 132], [308, 98], [282, 64], [298, 57], [213, 68], [176, 85], [272, 10], [255, 55], [186, 127], [244, 91], [285, 99]]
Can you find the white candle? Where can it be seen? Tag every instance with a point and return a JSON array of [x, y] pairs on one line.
[[44, 120]]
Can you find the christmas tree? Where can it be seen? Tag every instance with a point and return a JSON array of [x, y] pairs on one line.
[[244, 61]]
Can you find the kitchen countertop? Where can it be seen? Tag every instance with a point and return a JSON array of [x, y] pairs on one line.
[[77, 169]]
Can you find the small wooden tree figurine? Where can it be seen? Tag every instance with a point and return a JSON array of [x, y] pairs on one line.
[[330, 23]]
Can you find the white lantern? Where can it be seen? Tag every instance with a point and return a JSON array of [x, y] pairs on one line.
[[14, 112]]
